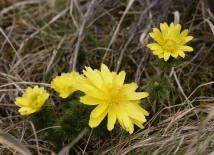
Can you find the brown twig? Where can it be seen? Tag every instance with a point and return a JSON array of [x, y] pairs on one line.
[[73, 60]]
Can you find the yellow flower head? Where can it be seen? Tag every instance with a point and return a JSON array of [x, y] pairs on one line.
[[32, 100], [64, 84], [113, 98], [170, 41]]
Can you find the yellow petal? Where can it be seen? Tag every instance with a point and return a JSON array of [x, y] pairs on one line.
[[20, 101], [142, 110], [138, 123], [131, 87], [99, 110], [134, 111], [166, 56], [177, 30], [171, 32], [64, 84], [93, 77], [28, 92], [130, 129], [164, 29], [183, 34], [111, 118], [94, 122], [119, 79], [157, 35], [154, 46], [185, 40], [161, 55], [186, 48], [157, 52], [174, 54], [135, 101], [136, 95], [151, 45], [181, 53], [27, 110], [90, 91], [106, 74], [122, 117], [65, 94], [90, 100], [40, 101]]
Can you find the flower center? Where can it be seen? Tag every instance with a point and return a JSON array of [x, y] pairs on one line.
[[114, 94], [169, 45]]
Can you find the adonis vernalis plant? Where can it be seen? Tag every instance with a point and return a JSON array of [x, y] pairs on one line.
[[32, 100], [170, 41], [113, 98], [64, 84]]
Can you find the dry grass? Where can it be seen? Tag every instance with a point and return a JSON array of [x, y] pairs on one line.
[[40, 39]]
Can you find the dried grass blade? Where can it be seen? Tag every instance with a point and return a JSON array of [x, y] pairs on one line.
[[211, 25], [10, 141]]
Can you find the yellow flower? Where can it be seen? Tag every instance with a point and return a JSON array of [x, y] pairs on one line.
[[64, 84], [32, 100], [170, 41], [113, 98]]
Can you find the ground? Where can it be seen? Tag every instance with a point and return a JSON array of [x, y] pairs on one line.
[[42, 39]]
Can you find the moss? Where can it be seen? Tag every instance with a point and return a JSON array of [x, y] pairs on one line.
[[44, 118], [167, 66], [72, 121], [158, 88], [71, 116]]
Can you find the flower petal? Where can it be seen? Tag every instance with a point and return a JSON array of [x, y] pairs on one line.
[[157, 52], [174, 54], [27, 110], [166, 56], [183, 34], [64, 84], [157, 35], [161, 55], [106, 74], [130, 129], [21, 102], [94, 122], [186, 48], [90, 90], [164, 29], [93, 77], [142, 110], [177, 30], [138, 123], [154, 46], [135, 112], [90, 100], [99, 110], [119, 79], [136, 95], [111, 117], [181, 53], [131, 87], [171, 32], [185, 40], [124, 120]]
